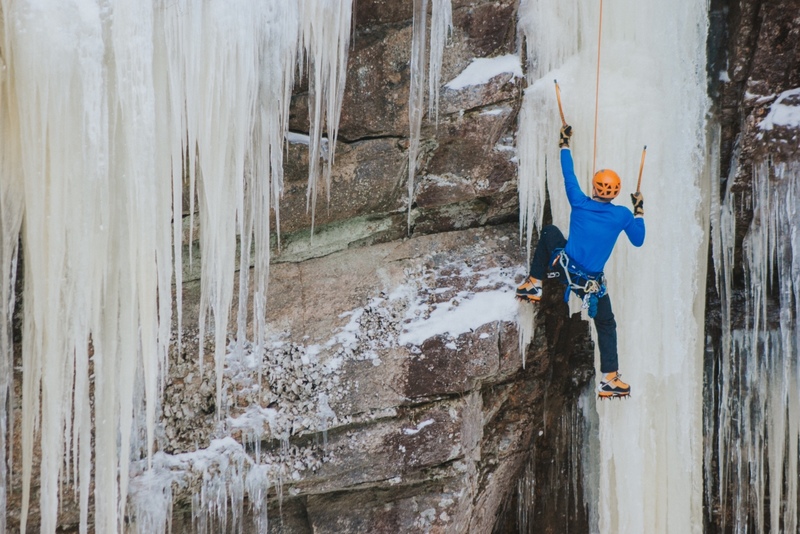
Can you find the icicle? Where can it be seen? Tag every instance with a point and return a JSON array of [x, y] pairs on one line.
[[416, 94], [60, 115], [11, 206], [258, 484], [326, 416], [441, 24], [147, 228], [755, 443], [151, 502], [441, 28], [264, 177], [325, 37], [526, 323]]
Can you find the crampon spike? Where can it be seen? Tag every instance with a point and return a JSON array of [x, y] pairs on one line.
[[609, 397]]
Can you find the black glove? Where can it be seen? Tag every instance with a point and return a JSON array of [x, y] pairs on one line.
[[563, 138], [638, 203]]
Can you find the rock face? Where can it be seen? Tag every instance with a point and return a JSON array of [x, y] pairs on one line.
[[427, 431], [754, 48], [754, 58], [466, 174], [428, 424]]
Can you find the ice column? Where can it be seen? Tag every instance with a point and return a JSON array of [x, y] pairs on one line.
[[61, 132], [648, 451], [11, 209], [325, 37], [105, 109], [756, 381]]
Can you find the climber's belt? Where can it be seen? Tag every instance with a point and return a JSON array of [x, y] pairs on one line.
[[578, 278]]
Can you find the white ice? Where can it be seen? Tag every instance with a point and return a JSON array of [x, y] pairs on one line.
[[652, 91], [106, 108]]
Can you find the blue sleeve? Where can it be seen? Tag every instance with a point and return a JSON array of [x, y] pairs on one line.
[[574, 193], [635, 231]]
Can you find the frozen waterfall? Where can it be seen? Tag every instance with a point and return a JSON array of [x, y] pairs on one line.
[[647, 453], [110, 110]]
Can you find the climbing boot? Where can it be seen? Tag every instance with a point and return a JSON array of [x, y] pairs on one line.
[[530, 290], [611, 386]]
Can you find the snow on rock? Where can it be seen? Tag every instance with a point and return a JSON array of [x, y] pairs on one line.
[[290, 388], [299, 379], [412, 431], [343, 367], [465, 312], [481, 70], [785, 111]]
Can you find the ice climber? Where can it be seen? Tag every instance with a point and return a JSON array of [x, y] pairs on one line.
[[594, 225]]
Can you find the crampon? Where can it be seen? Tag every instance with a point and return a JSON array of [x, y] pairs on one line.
[[612, 387], [606, 395]]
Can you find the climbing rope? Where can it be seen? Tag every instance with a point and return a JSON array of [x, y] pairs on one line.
[[597, 89], [597, 104]]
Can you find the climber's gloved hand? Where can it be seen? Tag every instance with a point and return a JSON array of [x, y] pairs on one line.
[[638, 203], [564, 136]]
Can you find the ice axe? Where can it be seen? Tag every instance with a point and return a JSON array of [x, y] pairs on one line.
[[641, 167], [560, 109]]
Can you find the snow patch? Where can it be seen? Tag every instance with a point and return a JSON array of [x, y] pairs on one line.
[[482, 70], [495, 111], [412, 431], [456, 319], [488, 300], [785, 111]]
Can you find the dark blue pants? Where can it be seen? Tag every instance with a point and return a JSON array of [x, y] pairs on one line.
[[550, 239]]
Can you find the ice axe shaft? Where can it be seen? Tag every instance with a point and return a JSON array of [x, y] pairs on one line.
[[641, 168], [560, 109]]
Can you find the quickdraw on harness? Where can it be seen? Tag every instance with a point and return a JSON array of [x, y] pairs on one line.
[[592, 285]]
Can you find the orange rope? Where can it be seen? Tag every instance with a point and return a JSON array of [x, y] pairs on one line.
[[597, 88]]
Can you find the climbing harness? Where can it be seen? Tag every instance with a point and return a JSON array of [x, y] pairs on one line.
[[592, 285]]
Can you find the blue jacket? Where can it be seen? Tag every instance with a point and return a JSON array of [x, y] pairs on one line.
[[594, 226]]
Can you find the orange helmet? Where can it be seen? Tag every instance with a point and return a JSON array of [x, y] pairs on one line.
[[606, 183]]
